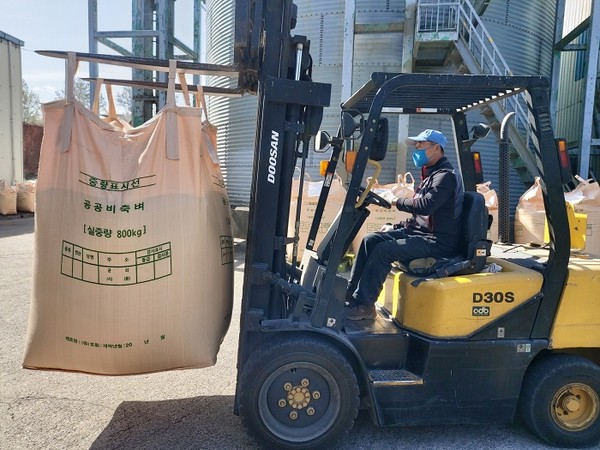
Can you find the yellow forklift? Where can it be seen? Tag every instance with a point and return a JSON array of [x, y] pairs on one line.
[[457, 346]]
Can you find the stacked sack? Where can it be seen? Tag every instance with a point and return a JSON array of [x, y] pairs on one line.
[[311, 190], [491, 203], [8, 199], [403, 188], [19, 198], [530, 217], [585, 198], [26, 196]]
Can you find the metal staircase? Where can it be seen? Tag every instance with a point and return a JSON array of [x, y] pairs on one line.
[[446, 25]]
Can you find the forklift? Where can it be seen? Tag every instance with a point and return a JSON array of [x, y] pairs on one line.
[[462, 347]]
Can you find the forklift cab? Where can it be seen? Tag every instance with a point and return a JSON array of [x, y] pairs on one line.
[[468, 348]]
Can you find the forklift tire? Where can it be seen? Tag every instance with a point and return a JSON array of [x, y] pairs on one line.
[[298, 392], [560, 401]]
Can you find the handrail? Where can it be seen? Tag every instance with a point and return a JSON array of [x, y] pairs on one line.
[[434, 16]]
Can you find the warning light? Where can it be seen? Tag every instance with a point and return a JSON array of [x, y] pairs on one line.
[[477, 167], [350, 158], [323, 167], [564, 161], [561, 145]]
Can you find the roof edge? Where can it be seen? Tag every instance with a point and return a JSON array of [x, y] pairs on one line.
[[8, 37]]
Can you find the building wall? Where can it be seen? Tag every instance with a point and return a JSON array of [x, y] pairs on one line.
[[571, 92], [11, 110]]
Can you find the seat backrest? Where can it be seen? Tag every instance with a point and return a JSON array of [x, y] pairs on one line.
[[474, 223], [474, 246]]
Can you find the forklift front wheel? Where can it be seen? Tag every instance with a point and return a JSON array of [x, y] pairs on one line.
[[560, 401], [298, 392]]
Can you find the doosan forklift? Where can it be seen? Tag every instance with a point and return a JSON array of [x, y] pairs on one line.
[[468, 347], [456, 346]]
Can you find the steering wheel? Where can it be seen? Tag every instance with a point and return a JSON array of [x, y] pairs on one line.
[[373, 199]]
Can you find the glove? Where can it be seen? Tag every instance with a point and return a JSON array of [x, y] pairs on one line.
[[387, 227], [389, 197]]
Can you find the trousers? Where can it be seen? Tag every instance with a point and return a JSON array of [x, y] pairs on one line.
[[376, 254]]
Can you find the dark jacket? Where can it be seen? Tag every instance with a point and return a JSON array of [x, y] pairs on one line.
[[436, 206]]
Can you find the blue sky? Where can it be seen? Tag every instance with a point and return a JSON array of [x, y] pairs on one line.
[[63, 25]]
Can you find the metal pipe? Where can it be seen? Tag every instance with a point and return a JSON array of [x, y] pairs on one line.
[[504, 182]]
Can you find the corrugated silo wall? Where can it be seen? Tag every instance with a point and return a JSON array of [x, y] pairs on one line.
[[235, 118], [322, 21], [523, 31], [525, 44]]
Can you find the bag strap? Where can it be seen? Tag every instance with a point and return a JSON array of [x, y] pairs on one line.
[[201, 100], [66, 126], [184, 88], [172, 137], [112, 111]]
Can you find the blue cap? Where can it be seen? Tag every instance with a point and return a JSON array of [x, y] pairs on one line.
[[428, 135]]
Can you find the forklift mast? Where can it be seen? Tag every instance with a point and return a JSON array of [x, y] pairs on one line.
[[277, 66]]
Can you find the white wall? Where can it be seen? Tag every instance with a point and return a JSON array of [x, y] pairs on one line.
[[11, 110]]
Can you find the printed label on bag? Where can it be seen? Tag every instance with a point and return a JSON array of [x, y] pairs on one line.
[[116, 269], [114, 185], [226, 250]]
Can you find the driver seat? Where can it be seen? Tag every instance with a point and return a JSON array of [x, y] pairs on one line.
[[473, 245]]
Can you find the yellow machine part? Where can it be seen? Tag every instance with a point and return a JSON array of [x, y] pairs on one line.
[[457, 306], [577, 322]]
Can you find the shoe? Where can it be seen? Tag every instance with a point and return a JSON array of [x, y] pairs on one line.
[[361, 312]]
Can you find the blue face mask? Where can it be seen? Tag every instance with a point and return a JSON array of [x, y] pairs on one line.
[[420, 158]]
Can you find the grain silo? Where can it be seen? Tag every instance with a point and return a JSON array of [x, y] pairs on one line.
[[350, 39]]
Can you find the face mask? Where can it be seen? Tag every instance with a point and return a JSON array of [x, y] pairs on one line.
[[420, 158]]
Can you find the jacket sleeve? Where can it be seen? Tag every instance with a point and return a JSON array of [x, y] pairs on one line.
[[443, 185]]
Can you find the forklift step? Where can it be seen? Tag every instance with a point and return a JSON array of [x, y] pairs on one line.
[[393, 377]]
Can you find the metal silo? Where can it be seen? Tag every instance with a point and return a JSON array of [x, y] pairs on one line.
[[524, 33], [377, 47], [234, 117]]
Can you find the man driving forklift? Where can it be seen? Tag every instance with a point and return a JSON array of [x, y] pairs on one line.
[[431, 232]]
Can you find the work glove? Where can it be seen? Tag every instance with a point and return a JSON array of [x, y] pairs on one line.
[[387, 227]]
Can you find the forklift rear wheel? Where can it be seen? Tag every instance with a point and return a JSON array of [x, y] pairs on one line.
[[560, 401], [298, 393]]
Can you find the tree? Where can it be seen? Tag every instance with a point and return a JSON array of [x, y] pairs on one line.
[[125, 100], [81, 89], [32, 109]]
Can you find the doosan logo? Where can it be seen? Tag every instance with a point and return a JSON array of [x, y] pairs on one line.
[[479, 311], [273, 157]]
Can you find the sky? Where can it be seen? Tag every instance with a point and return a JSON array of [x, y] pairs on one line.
[[63, 25]]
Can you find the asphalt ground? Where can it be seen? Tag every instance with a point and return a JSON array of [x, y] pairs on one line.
[[183, 409]]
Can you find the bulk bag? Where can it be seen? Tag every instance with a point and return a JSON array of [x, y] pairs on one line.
[[491, 202], [530, 216], [26, 196], [133, 255], [8, 199], [311, 190], [403, 188], [585, 198]]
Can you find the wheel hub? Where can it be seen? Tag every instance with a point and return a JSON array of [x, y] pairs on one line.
[[575, 407]]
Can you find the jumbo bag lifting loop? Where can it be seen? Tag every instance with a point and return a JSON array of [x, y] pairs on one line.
[[133, 251]]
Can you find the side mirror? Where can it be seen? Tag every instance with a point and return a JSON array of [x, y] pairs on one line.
[[380, 143], [480, 131], [322, 141], [351, 124]]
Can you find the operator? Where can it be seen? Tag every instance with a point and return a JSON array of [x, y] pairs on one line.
[[432, 231]]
